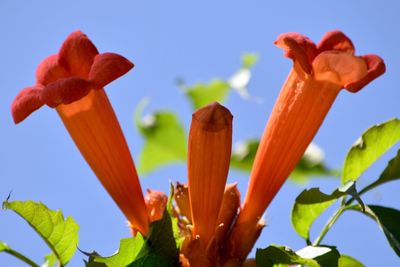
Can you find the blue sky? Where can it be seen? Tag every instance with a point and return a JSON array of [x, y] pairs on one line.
[[198, 42]]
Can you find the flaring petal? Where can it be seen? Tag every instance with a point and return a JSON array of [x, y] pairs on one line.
[[26, 102], [339, 67], [65, 91], [77, 54], [376, 67], [299, 48], [107, 67], [50, 71], [336, 40]]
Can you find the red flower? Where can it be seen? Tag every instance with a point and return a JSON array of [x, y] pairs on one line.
[[72, 82], [318, 75]]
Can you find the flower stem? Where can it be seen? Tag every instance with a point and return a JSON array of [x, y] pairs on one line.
[[21, 257], [329, 225], [362, 191]]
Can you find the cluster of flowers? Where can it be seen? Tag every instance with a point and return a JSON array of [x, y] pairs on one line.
[[218, 230]]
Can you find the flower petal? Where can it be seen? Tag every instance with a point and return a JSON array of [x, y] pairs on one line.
[[66, 91], [49, 71], [229, 209], [94, 127], [339, 67], [336, 40], [26, 102], [376, 67], [107, 67], [299, 48], [209, 151], [77, 54], [156, 202], [181, 196]]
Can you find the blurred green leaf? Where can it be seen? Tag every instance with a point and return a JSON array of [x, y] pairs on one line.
[[165, 139], [60, 234], [249, 60], [347, 261], [202, 94], [371, 146], [311, 203], [310, 165], [388, 220], [240, 80], [309, 256], [3, 246], [243, 155]]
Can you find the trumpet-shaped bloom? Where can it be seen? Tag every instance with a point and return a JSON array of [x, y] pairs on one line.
[[210, 142], [156, 202], [318, 75], [72, 82]]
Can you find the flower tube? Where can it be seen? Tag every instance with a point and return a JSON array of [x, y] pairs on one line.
[[72, 82], [210, 142], [318, 75]]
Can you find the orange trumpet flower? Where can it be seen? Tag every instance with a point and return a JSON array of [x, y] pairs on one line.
[[210, 144], [72, 82], [318, 75]]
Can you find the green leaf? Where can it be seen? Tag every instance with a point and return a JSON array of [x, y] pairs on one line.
[[311, 203], [391, 173], [128, 251], [91, 262], [158, 249], [388, 220], [60, 234], [161, 241], [309, 256], [174, 220], [165, 140], [371, 146], [50, 260], [310, 165], [249, 60], [202, 94], [347, 261]]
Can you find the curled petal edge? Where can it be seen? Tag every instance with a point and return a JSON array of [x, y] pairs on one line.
[[299, 48], [49, 70], [65, 91], [339, 68], [26, 102], [107, 67], [376, 67], [336, 40]]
